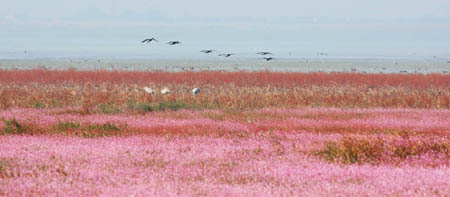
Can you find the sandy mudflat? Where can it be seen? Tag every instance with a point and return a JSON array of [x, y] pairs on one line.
[[299, 65]]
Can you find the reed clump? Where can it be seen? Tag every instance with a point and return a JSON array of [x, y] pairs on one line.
[[121, 91]]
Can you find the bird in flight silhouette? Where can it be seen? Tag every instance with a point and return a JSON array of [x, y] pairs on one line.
[[264, 53], [269, 58], [207, 51], [148, 40], [173, 42], [226, 54]]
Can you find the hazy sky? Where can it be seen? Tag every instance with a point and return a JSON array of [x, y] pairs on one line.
[[115, 28]]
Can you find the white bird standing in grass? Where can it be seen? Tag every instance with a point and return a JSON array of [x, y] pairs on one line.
[[149, 90], [196, 91], [165, 91]]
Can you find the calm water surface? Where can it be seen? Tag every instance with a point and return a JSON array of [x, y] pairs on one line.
[[284, 65]]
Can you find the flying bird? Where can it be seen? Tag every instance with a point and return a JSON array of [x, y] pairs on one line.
[[149, 40], [269, 58], [173, 42], [264, 53], [226, 54], [207, 51]]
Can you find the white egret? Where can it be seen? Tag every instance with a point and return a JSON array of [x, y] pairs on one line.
[[196, 91], [149, 90], [165, 91]]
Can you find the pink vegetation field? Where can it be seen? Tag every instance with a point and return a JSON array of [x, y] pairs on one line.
[[56, 139]]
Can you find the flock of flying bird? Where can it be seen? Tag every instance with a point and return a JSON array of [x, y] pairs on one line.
[[206, 51]]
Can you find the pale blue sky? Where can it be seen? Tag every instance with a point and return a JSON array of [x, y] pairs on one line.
[[300, 28]]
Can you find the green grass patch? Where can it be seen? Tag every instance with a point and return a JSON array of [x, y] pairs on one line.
[[108, 108], [374, 151], [89, 130], [102, 127], [161, 106], [6, 165], [12, 126], [63, 127], [101, 130], [351, 150], [39, 105]]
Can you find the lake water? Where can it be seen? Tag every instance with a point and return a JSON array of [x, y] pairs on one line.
[[282, 65]]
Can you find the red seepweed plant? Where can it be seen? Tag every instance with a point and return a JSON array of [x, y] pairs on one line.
[[214, 78]]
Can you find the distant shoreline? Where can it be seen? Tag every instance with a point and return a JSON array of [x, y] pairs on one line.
[[369, 65]]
